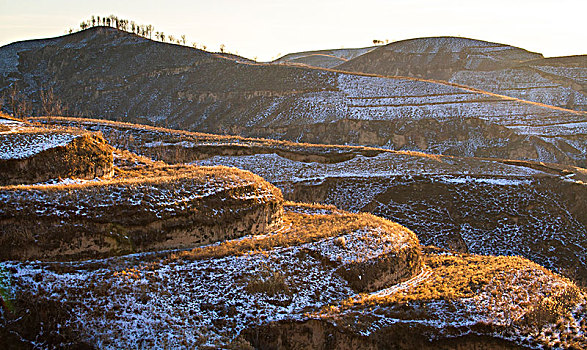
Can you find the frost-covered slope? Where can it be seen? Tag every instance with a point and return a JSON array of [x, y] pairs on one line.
[[482, 206], [194, 90], [487, 66], [208, 295], [437, 57], [555, 81], [236, 300]]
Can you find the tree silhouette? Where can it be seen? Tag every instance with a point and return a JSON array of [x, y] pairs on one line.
[[13, 95], [51, 105], [183, 38], [222, 48]]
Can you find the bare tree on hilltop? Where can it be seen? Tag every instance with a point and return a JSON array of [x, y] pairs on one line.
[[130, 26]]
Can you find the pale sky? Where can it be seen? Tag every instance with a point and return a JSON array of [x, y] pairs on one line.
[[267, 29]]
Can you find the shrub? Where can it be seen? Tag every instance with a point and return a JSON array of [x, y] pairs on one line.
[[268, 281]]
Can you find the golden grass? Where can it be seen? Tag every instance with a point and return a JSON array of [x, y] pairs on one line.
[[240, 139], [313, 206], [155, 175], [466, 276], [298, 229]]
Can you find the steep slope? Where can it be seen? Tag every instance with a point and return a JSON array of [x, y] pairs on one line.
[[324, 58], [487, 66], [481, 206], [120, 76]]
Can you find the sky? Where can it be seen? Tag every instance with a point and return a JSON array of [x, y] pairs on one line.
[[267, 29]]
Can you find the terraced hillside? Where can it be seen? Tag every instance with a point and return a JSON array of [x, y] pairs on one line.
[[251, 270], [480, 206], [296, 287], [195, 90], [498, 68], [137, 206]]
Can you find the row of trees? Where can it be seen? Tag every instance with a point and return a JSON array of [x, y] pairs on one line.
[[146, 31], [20, 106]]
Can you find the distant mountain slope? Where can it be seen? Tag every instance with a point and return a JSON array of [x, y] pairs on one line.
[[115, 75], [324, 58], [493, 67], [437, 57]]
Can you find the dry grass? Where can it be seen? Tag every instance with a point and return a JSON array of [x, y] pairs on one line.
[[155, 175], [464, 276], [298, 229], [201, 137], [268, 281]]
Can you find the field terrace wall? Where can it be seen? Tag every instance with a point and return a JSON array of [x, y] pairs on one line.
[[167, 208], [215, 290], [31, 154], [482, 206]]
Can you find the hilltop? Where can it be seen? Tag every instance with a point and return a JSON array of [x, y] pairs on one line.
[[498, 68], [438, 57], [324, 58], [190, 89]]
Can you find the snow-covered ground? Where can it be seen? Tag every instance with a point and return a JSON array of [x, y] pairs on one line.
[[158, 300], [25, 145], [21, 141], [275, 168]]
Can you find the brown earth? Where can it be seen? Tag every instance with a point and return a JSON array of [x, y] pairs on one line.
[[86, 157], [142, 213]]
